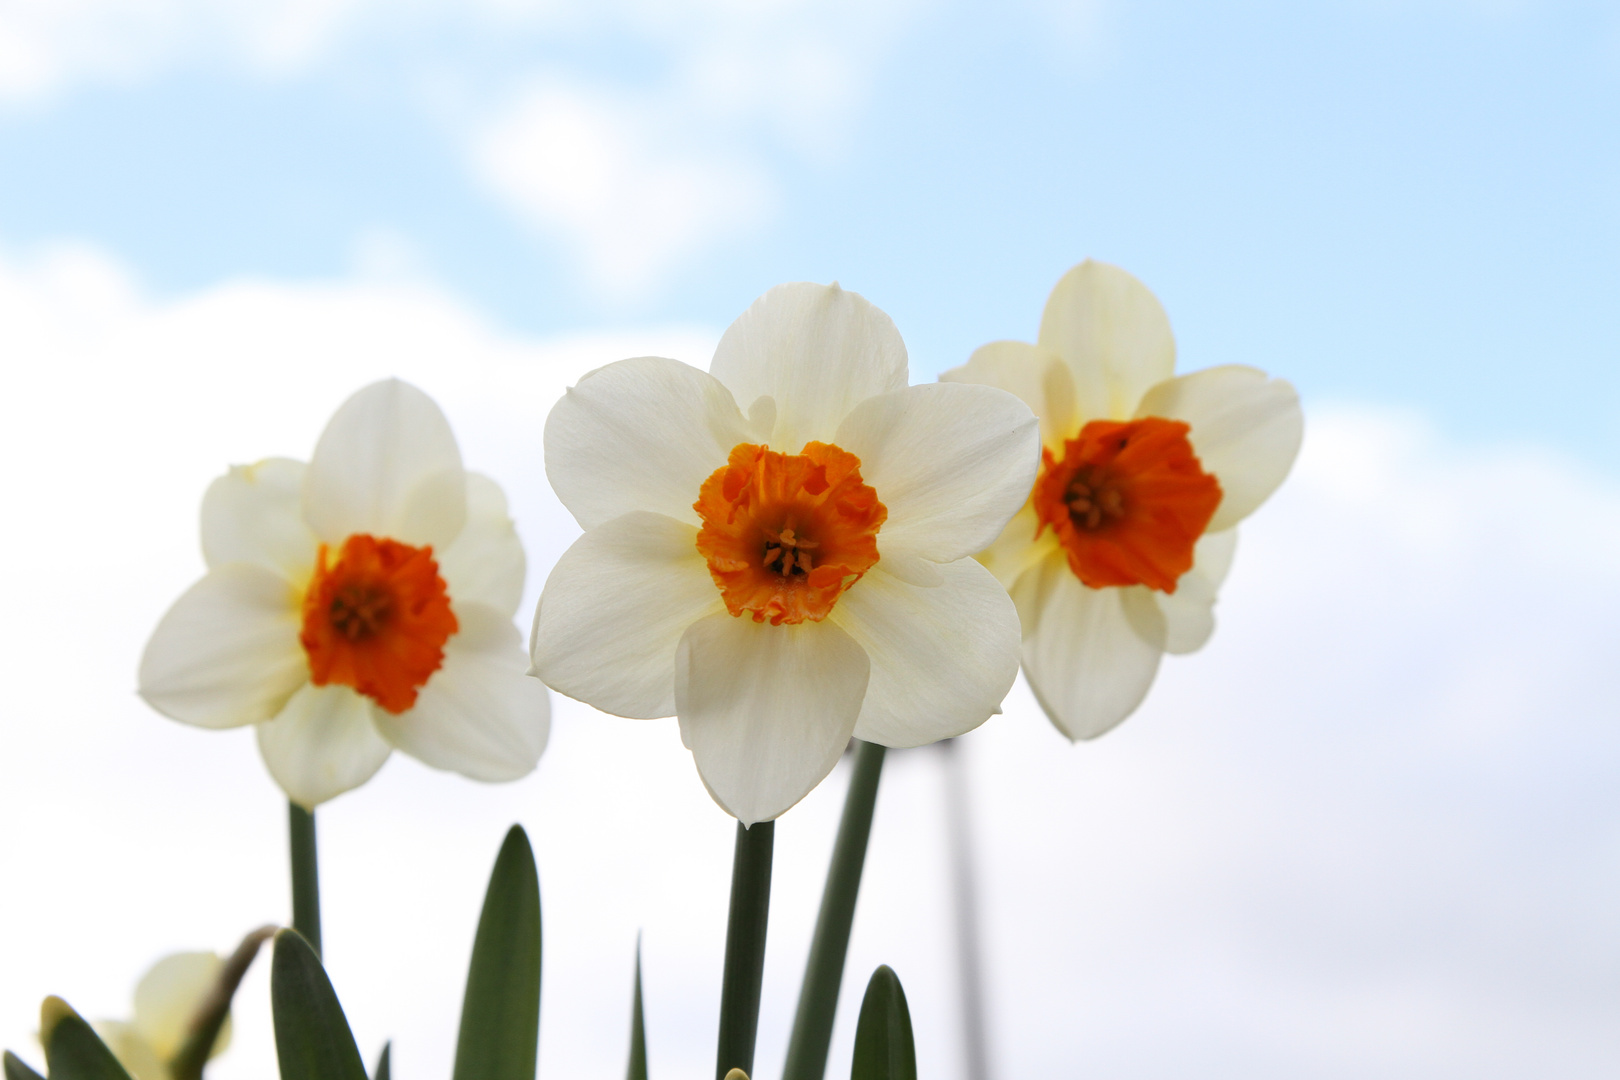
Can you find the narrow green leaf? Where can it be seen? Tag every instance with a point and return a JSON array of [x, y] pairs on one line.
[[883, 1046], [73, 1051], [16, 1069], [638, 1030], [500, 1015], [382, 1069], [313, 1041]]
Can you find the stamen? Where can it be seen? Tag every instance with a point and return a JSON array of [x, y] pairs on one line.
[[377, 619], [1127, 501], [785, 534]]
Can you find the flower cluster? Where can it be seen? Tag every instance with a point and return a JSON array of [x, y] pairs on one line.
[[788, 552], [778, 552]]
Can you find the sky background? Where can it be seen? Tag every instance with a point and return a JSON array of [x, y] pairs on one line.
[[1370, 830]]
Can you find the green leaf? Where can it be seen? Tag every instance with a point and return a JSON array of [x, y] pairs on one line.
[[17, 1070], [500, 1015], [313, 1041], [382, 1069], [72, 1050], [638, 1030], [883, 1046]]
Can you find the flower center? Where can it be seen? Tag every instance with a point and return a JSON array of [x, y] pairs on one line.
[[785, 534], [1128, 501], [377, 620]]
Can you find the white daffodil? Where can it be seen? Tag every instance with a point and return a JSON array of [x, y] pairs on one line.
[[1130, 529], [778, 551], [355, 605], [166, 1001]]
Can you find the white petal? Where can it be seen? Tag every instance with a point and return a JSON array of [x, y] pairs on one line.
[[1037, 376], [1114, 335], [942, 658], [1089, 654], [766, 710], [1245, 427], [613, 612], [227, 652], [481, 714], [1018, 548], [168, 996], [484, 564], [133, 1052], [322, 744], [951, 461], [640, 434], [816, 350], [254, 513], [913, 569], [387, 464], [1189, 612]]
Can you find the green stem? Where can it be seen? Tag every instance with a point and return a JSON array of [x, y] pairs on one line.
[[638, 1028], [965, 912], [306, 884], [824, 971], [745, 947], [215, 1008]]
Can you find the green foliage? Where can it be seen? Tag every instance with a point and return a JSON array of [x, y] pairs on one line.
[[500, 1015], [313, 1041], [383, 1063], [17, 1070], [638, 1030], [73, 1051], [883, 1046]]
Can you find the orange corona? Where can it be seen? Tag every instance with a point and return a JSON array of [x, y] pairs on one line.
[[377, 620], [786, 534], [1128, 501]]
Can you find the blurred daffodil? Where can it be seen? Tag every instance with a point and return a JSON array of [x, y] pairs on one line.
[[1128, 532], [167, 1000], [355, 605], [778, 551]]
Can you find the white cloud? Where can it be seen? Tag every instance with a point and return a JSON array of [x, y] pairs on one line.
[[609, 179], [636, 164], [1369, 831], [47, 46], [642, 173]]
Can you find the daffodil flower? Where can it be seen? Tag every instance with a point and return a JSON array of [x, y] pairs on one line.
[[166, 1001], [778, 551], [356, 605], [1130, 529]]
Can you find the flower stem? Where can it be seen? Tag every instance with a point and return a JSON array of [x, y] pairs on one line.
[[745, 947], [965, 911], [202, 1032], [824, 971], [306, 884]]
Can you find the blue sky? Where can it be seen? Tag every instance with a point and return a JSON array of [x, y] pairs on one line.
[[1402, 202]]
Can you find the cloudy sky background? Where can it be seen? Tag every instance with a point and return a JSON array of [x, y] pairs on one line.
[[1370, 830]]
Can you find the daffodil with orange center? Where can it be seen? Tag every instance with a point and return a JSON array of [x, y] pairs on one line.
[[779, 551], [356, 605], [1130, 527]]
